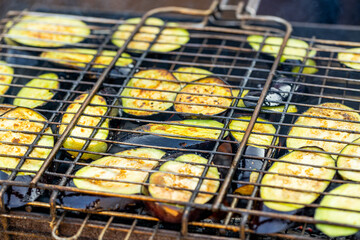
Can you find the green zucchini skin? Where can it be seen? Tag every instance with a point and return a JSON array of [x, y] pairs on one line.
[[180, 135], [22, 119], [50, 31], [215, 105], [171, 37], [6, 77], [295, 197], [154, 85], [352, 163], [45, 94], [161, 184], [340, 112], [102, 134], [98, 202], [339, 216]]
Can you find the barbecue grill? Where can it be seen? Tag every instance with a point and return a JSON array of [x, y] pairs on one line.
[[217, 44]]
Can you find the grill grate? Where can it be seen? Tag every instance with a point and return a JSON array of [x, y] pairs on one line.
[[223, 51]]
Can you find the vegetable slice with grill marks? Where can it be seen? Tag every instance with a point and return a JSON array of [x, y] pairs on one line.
[[190, 74], [6, 77], [352, 163]]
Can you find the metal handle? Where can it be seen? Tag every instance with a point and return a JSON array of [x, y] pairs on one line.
[[252, 7]]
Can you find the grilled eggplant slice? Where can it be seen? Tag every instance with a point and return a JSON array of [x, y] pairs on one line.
[[257, 136], [190, 74], [129, 166], [295, 49], [19, 126], [210, 105], [6, 76], [349, 200], [48, 31], [352, 163], [350, 58], [155, 85], [163, 185], [78, 58], [171, 38], [179, 134], [310, 67], [75, 143], [314, 117], [41, 89], [297, 197]]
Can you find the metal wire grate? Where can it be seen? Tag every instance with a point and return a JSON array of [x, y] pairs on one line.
[[223, 51]]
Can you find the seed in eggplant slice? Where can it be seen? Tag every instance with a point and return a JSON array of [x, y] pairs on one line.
[[153, 86], [201, 92], [171, 37], [40, 89], [13, 124], [276, 183], [318, 117], [48, 31], [122, 173], [346, 196], [352, 163], [163, 186], [6, 77], [98, 112]]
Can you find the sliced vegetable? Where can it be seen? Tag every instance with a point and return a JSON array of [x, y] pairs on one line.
[[171, 38], [315, 117], [295, 49], [5, 107], [75, 143], [6, 77], [352, 163], [277, 182], [350, 58], [349, 199], [163, 185], [201, 92], [155, 85], [310, 67], [54, 31], [190, 74], [42, 89]]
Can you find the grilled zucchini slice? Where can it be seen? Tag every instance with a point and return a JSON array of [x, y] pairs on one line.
[[339, 216], [171, 37], [154, 85], [6, 77], [296, 198], [37, 91], [352, 163], [211, 105], [50, 31], [75, 143], [190, 74], [163, 184], [314, 117], [350, 58]]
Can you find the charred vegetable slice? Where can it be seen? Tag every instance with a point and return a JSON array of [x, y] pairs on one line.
[[350, 58], [190, 74], [314, 117], [352, 163], [295, 49], [158, 86], [48, 31], [164, 182], [201, 92], [257, 136], [349, 200], [134, 175], [75, 143], [171, 37], [6, 77], [278, 182], [79, 57], [37, 91]]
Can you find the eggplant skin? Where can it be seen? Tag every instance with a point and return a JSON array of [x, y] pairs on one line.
[[352, 163], [171, 37], [6, 77], [296, 198], [155, 85], [340, 216], [51, 31], [79, 57], [326, 110], [213, 104], [48, 93], [74, 143], [162, 185], [350, 58]]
